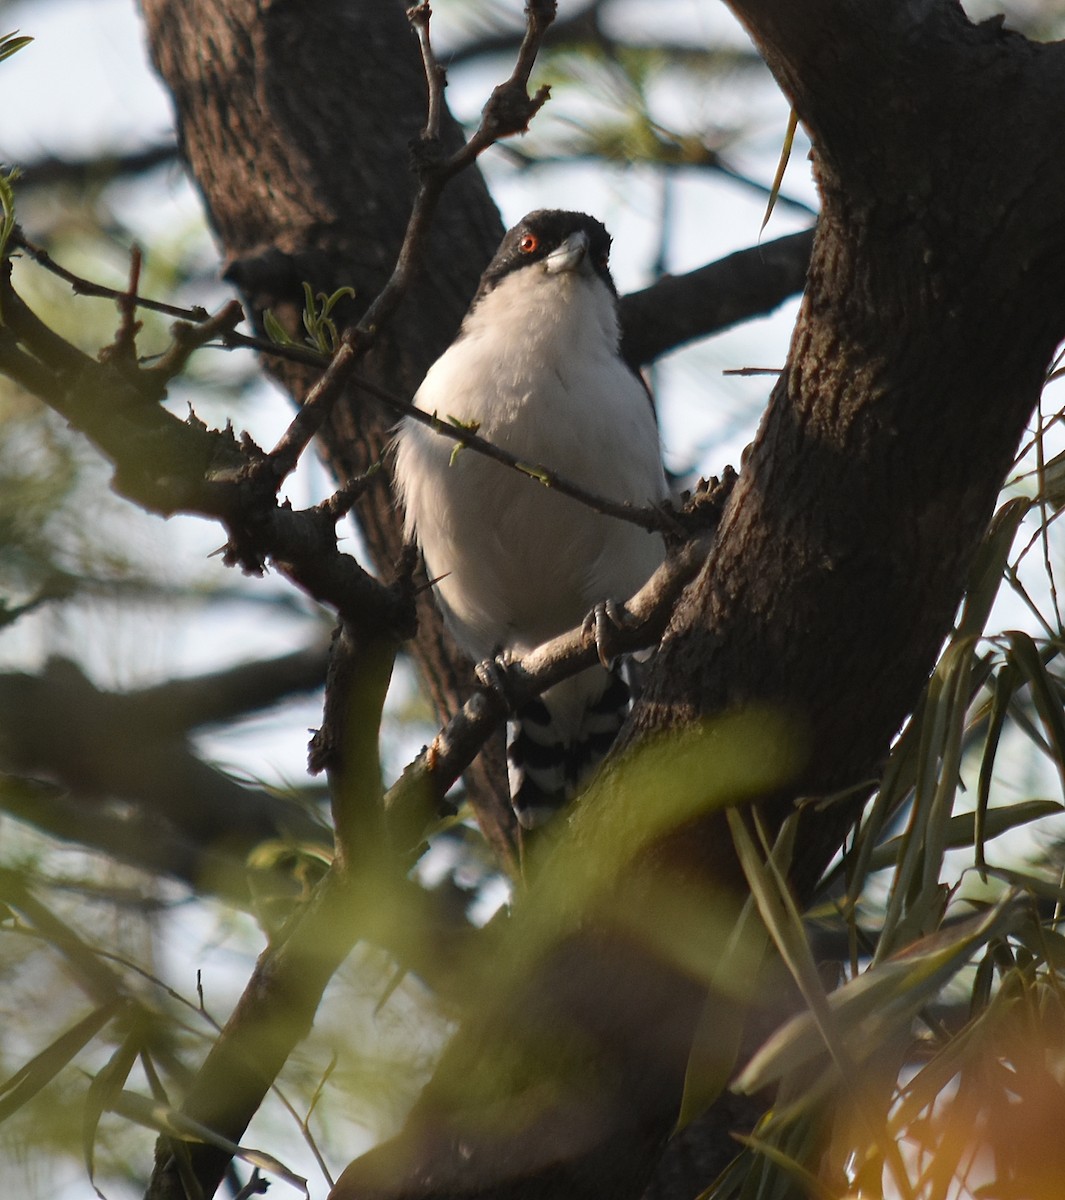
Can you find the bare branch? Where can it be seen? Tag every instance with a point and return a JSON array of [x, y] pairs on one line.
[[94, 170], [672, 311], [282, 460], [85, 287], [167, 465], [188, 337], [124, 347], [680, 308], [435, 75]]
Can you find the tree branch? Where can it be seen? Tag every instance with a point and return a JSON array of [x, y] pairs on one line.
[[680, 308], [81, 174], [102, 747]]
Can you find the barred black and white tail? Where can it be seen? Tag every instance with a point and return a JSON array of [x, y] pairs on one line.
[[558, 739]]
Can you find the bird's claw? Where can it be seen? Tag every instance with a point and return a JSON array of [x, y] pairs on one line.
[[602, 626], [492, 675]]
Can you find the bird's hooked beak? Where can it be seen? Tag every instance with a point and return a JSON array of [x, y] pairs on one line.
[[569, 256]]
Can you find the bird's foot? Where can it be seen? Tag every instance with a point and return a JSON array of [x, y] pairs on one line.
[[492, 674], [602, 625]]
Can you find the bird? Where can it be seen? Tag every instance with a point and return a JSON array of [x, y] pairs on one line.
[[537, 370]]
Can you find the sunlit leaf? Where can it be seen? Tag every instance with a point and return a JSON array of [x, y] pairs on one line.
[[165, 1119], [792, 1167], [961, 829], [864, 1009], [782, 166]]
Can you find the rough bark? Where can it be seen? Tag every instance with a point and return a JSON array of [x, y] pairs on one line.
[[923, 340]]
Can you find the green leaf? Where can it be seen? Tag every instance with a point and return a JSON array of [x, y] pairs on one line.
[[782, 166], [275, 331], [811, 1185], [29, 1079], [472, 425], [7, 211], [884, 997], [1006, 682], [989, 563], [916, 899], [1026, 656], [1052, 482], [10, 44], [718, 1036], [961, 830], [163, 1118], [108, 1083], [321, 328], [777, 910]]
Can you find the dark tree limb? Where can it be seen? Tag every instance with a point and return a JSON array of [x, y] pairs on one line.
[[100, 747], [680, 308], [82, 174]]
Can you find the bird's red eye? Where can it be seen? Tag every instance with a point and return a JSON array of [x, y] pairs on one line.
[[529, 243]]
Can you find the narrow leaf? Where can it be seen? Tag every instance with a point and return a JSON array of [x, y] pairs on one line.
[[784, 924], [887, 994], [108, 1083], [165, 1119], [1026, 655], [989, 564], [29, 1079], [12, 44], [1006, 682], [961, 829], [782, 166]]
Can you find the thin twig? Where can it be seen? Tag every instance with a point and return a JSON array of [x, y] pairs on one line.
[[124, 347], [190, 336], [282, 460], [197, 315], [419, 16], [744, 371], [649, 517], [168, 465], [85, 287]]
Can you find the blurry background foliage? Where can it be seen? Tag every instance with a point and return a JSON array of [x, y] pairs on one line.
[[664, 122]]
